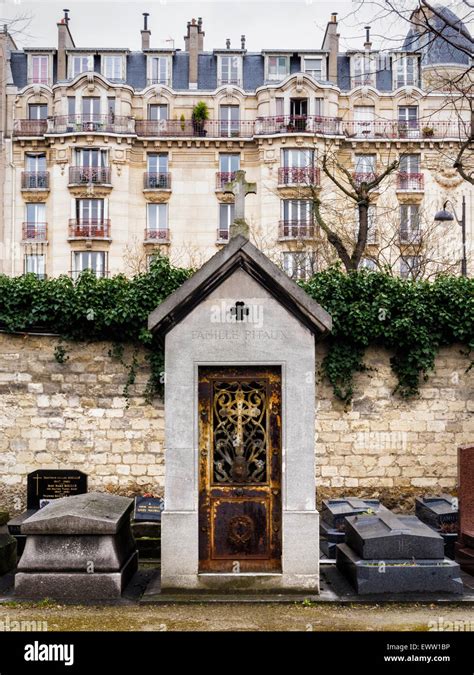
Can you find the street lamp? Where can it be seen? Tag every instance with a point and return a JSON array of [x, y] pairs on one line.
[[445, 216]]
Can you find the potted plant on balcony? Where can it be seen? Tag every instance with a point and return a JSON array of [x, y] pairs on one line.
[[427, 132], [200, 115]]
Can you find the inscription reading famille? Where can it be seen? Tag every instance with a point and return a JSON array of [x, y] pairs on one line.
[[224, 334]]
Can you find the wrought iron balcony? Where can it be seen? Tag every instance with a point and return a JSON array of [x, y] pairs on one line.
[[156, 180], [410, 182], [40, 80], [190, 128], [98, 175], [236, 81], [30, 127], [364, 177], [296, 229], [89, 228], [409, 235], [35, 180], [166, 81], [223, 177], [35, 232], [298, 176], [404, 129], [222, 234], [294, 124], [159, 235], [101, 124]]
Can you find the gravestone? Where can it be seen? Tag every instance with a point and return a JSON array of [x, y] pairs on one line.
[[333, 514], [240, 188], [393, 554], [464, 548], [146, 526], [440, 513], [78, 548], [42, 486], [240, 499]]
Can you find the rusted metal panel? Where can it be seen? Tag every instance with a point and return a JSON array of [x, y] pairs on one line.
[[240, 468]]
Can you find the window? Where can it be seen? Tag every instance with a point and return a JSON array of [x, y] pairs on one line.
[[278, 67], [157, 171], [35, 221], [90, 166], [406, 71], [35, 264], [372, 224], [88, 157], [78, 64], [157, 221], [229, 116], [91, 108], [90, 221], [410, 266], [313, 67], [409, 224], [365, 167], [408, 121], [296, 158], [297, 211], [279, 106], [226, 218], [410, 164], [318, 106], [297, 166], [364, 116], [228, 165], [113, 67], [37, 111], [157, 111], [362, 70], [158, 69], [230, 68], [297, 264], [35, 176], [96, 261], [39, 69]]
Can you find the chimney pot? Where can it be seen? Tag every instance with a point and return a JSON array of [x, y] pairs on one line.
[[227, 43], [334, 17], [66, 15], [242, 41], [367, 34], [145, 20]]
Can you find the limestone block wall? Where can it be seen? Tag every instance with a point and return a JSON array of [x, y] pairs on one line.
[[74, 415]]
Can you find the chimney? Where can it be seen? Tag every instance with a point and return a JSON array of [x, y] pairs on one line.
[[193, 44], [242, 42], [145, 32], [331, 45], [367, 43], [65, 42]]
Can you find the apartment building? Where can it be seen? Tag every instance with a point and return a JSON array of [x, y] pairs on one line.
[[104, 163]]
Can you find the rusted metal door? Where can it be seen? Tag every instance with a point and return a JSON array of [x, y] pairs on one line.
[[240, 469]]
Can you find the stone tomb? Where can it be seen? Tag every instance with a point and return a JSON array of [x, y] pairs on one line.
[[333, 514], [385, 553], [440, 513], [240, 509], [465, 546], [42, 486], [78, 548]]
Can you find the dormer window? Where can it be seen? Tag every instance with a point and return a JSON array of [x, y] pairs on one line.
[[405, 71], [313, 66], [113, 67], [39, 71], [230, 69], [80, 63], [363, 68], [159, 69], [278, 67]]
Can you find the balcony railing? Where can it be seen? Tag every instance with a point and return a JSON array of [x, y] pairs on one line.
[[409, 235], [294, 124], [364, 177], [35, 180], [160, 235], [111, 124], [89, 228], [210, 128], [34, 231], [40, 80], [79, 175], [237, 81], [224, 177], [159, 80], [298, 176], [296, 229], [410, 182], [30, 127], [403, 129], [222, 234], [156, 181]]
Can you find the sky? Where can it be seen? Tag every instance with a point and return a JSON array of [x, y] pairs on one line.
[[266, 23]]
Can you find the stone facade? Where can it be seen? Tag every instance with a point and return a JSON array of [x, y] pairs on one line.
[[73, 415]]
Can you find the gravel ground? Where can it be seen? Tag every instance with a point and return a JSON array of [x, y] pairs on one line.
[[241, 617]]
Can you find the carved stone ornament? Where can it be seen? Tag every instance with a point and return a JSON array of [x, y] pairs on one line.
[[448, 178]]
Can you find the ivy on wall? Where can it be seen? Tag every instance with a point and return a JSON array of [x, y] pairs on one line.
[[411, 319]]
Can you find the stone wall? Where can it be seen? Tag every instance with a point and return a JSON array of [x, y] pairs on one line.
[[73, 415]]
